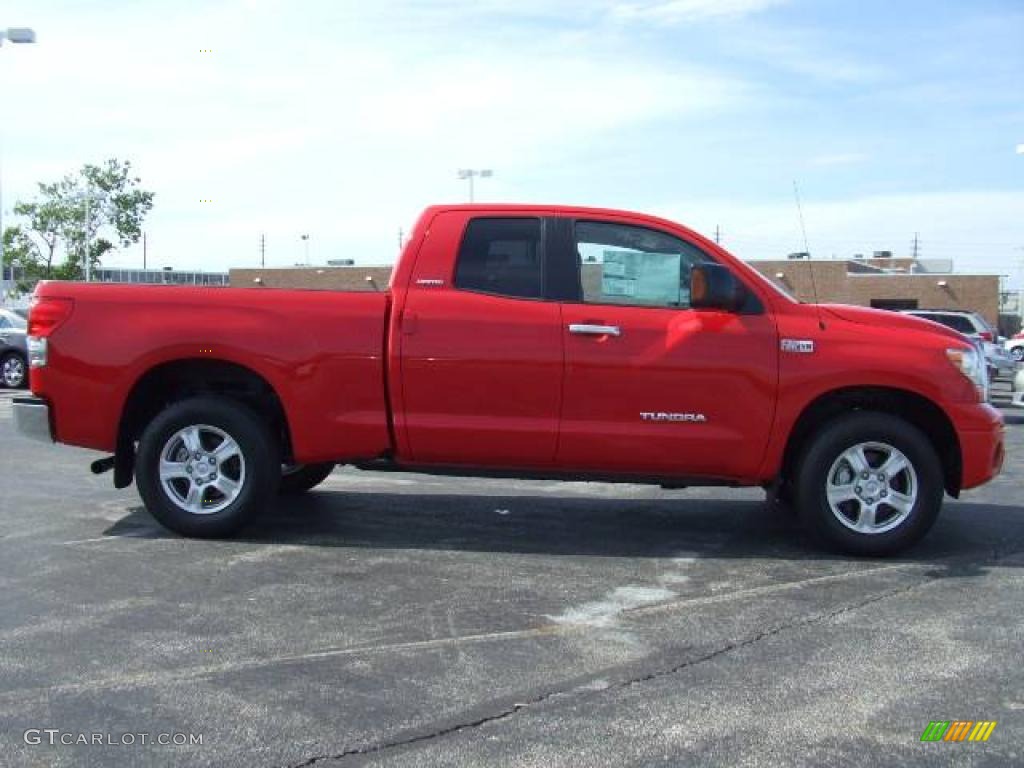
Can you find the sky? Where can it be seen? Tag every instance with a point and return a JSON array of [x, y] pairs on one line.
[[342, 120]]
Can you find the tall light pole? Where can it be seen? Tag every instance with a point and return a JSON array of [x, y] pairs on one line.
[[305, 240], [86, 199], [468, 174], [20, 35]]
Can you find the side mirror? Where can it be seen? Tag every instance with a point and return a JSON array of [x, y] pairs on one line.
[[713, 286]]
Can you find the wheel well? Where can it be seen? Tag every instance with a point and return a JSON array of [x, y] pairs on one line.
[[918, 410], [170, 382]]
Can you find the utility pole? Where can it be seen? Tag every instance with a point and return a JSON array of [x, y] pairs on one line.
[[19, 35], [144, 251], [401, 238], [916, 249], [718, 234], [263, 251]]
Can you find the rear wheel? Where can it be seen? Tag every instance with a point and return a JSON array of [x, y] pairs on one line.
[[1018, 354], [869, 484], [206, 466], [13, 370], [299, 478]]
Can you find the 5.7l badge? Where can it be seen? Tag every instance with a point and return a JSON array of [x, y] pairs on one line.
[[800, 346]]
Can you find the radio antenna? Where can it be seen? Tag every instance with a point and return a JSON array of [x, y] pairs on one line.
[[807, 250]]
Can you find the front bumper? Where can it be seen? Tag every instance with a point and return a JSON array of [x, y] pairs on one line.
[[32, 418], [981, 433]]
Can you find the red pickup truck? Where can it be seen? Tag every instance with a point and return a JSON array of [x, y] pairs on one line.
[[519, 341]]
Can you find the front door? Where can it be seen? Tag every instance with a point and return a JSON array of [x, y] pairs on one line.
[[651, 385]]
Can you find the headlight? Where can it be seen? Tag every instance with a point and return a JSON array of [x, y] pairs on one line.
[[972, 365]]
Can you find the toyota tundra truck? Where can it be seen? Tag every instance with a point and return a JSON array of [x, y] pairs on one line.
[[518, 341]]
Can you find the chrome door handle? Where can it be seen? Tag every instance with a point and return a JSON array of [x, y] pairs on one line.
[[586, 329]]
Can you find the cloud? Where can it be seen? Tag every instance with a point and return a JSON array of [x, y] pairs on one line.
[[687, 11], [338, 123], [838, 159]]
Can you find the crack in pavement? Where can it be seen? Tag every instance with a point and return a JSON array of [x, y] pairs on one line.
[[164, 677], [730, 647]]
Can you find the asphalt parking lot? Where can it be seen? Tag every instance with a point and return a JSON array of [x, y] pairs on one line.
[[416, 621]]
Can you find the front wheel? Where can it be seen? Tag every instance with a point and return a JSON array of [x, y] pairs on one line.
[[1017, 353], [869, 484], [299, 478], [206, 466]]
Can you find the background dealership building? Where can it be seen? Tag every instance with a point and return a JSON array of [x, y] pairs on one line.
[[883, 282]]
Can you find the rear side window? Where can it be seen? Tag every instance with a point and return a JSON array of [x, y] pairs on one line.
[[503, 257]]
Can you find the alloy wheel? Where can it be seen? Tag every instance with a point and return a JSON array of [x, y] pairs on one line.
[[871, 488], [14, 371], [202, 469]]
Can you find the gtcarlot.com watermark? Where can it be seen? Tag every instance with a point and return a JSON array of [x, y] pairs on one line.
[[57, 737]]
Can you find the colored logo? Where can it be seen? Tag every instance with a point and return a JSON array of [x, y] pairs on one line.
[[958, 730]]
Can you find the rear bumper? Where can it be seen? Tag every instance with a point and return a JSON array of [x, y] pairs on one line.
[[32, 418], [981, 432]]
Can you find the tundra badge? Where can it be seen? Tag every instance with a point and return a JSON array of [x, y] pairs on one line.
[[662, 416]]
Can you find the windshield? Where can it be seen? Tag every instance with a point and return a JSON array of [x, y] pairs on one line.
[[14, 320], [776, 287]]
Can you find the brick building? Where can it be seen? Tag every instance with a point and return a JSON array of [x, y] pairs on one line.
[[317, 278], [885, 283]]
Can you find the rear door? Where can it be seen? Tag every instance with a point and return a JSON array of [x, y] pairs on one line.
[[651, 385], [481, 345]]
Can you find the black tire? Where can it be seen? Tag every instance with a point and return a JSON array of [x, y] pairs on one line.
[[305, 477], [14, 370], [1017, 353], [819, 458], [257, 448]]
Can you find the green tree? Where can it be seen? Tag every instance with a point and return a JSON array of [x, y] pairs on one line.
[[21, 258], [57, 219]]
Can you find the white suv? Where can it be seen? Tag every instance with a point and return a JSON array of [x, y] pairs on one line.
[[973, 325]]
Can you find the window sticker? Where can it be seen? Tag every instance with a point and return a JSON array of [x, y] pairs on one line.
[[646, 277]]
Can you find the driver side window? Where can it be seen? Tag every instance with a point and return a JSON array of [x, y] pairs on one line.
[[636, 266]]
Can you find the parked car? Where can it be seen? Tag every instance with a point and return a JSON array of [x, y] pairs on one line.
[[973, 325], [526, 341], [1017, 398], [1015, 347], [13, 353]]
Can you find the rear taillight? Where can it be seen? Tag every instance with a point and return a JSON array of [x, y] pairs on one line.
[[987, 336], [45, 316]]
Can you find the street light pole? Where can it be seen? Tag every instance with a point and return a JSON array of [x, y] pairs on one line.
[[19, 35], [88, 216], [468, 174]]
